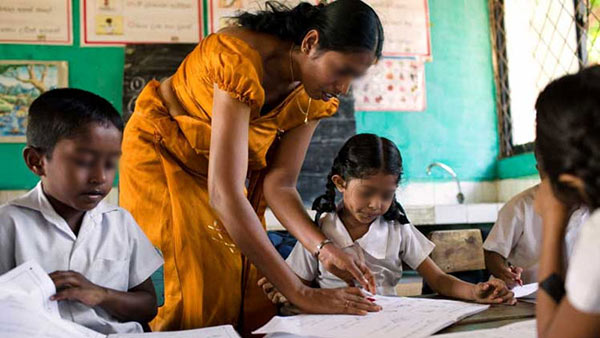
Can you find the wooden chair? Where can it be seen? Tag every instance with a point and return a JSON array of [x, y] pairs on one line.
[[458, 250]]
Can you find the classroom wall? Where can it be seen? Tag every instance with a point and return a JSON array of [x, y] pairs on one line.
[[459, 125], [99, 70]]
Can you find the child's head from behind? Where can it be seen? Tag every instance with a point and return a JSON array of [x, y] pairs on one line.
[[73, 144], [366, 171], [568, 136]]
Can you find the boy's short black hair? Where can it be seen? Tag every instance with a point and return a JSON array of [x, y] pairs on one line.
[[61, 113]]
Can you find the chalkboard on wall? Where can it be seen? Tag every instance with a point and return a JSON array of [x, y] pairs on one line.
[[146, 62]]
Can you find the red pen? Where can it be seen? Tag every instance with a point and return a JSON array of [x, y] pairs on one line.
[[513, 269]]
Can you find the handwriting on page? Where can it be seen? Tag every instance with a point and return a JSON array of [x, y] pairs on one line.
[[400, 317]]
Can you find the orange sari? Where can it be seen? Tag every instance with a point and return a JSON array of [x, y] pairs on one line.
[[163, 183]]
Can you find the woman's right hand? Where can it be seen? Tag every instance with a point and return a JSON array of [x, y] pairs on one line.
[[348, 300], [347, 267]]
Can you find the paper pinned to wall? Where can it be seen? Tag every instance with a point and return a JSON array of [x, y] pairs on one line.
[[115, 22], [406, 26], [36, 22], [393, 84]]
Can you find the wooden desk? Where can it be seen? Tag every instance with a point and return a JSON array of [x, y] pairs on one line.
[[495, 316]]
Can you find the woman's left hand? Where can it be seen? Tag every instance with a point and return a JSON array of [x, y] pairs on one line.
[[348, 267], [493, 292]]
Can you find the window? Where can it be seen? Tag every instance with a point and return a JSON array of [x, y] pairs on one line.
[[536, 41]]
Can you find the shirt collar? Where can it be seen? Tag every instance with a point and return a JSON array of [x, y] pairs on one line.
[[37, 200], [373, 242]]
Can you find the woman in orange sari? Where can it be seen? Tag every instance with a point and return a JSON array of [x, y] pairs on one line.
[[208, 149]]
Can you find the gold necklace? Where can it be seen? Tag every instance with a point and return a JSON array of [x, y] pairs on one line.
[[305, 113]]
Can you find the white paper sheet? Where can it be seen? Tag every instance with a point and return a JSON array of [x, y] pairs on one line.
[[30, 279], [525, 291], [224, 331], [400, 317], [524, 329], [27, 310]]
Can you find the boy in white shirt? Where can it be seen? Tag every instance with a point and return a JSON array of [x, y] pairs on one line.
[[512, 248], [98, 258]]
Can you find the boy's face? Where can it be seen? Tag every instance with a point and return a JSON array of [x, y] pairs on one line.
[[81, 170]]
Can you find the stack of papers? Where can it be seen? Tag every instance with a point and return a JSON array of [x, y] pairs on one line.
[[28, 312], [524, 329], [400, 317]]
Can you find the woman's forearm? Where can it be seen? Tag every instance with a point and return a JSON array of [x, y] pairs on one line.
[[289, 209], [245, 229]]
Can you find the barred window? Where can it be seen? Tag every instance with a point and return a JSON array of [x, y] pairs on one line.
[[535, 42]]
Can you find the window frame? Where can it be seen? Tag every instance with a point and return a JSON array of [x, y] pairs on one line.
[[501, 71]]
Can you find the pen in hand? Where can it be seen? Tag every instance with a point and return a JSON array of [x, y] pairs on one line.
[[514, 270]]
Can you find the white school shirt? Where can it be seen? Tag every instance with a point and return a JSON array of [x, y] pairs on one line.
[[110, 250], [517, 234], [583, 276], [385, 246]]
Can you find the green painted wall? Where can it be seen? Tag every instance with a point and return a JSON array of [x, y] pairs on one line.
[[99, 70], [459, 125], [518, 166]]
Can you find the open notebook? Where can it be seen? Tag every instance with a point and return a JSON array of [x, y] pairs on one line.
[[400, 317], [28, 312]]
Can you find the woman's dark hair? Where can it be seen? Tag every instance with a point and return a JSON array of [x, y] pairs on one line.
[[363, 155], [343, 25], [568, 133]]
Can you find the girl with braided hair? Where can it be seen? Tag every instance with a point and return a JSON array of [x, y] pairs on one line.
[[371, 224], [568, 145]]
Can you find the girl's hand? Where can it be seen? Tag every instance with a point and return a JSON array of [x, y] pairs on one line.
[[550, 208], [347, 267], [335, 301], [72, 285], [271, 292], [493, 292]]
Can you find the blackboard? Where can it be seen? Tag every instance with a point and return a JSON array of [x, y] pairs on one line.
[[146, 62]]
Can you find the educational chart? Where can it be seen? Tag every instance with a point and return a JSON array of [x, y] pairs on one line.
[[221, 11], [406, 26], [400, 317], [110, 22], [21, 82], [36, 22], [391, 85]]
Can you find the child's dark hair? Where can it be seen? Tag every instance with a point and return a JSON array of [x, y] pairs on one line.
[[61, 113], [343, 25], [568, 133], [363, 155]]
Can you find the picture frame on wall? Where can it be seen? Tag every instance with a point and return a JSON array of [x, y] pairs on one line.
[[21, 82]]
